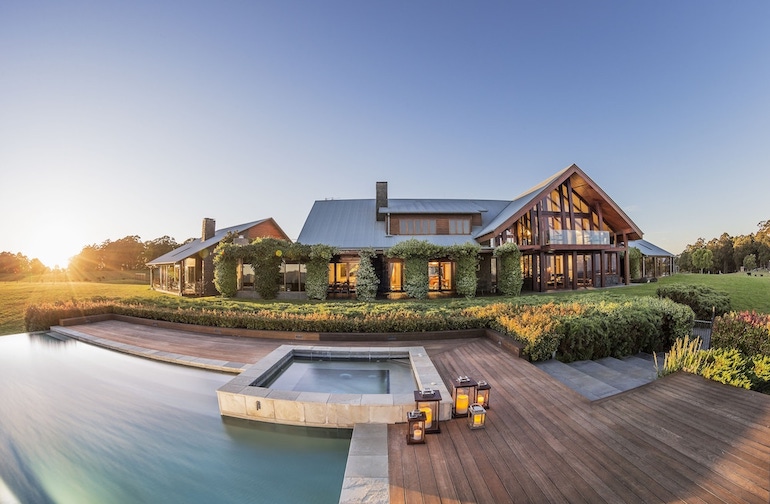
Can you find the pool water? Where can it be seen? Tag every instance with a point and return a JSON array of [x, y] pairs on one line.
[[346, 376], [81, 424]]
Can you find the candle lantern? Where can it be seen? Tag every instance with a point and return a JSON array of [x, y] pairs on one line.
[[415, 433], [477, 416], [463, 395], [482, 396], [429, 401]]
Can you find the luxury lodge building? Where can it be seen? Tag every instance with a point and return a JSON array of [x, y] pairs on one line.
[[570, 232]]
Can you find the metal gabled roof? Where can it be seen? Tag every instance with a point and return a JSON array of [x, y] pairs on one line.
[[352, 224], [195, 246], [434, 206], [649, 249]]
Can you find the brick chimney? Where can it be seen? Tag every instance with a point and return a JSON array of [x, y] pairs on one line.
[[382, 199], [209, 228]]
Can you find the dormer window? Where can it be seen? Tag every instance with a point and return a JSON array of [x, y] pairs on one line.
[[459, 226], [417, 226]]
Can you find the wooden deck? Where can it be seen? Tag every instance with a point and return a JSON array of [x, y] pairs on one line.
[[679, 439]]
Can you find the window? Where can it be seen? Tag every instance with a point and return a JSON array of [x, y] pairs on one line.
[[459, 226], [417, 226], [293, 277]]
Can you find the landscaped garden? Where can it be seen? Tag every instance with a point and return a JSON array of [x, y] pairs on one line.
[[577, 325]]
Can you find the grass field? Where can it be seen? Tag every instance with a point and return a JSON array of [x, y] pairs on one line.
[[746, 293]]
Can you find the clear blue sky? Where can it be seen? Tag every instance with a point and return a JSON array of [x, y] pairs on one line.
[[141, 118]]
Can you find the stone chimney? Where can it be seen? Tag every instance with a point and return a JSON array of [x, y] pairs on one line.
[[382, 199], [209, 228]]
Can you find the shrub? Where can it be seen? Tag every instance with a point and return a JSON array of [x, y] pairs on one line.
[[366, 280], [466, 258], [416, 254], [317, 279], [225, 274], [749, 332], [724, 365], [509, 277], [702, 299]]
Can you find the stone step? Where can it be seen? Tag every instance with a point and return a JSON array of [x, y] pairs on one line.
[[603, 377], [577, 380], [638, 369], [621, 380]]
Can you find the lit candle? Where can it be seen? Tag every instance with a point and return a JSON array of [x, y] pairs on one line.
[[480, 399], [417, 435], [428, 416], [477, 419], [462, 404]]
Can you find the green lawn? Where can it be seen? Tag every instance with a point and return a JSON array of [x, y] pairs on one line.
[[746, 293]]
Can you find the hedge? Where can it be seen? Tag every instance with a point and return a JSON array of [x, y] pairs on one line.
[[703, 300], [576, 330]]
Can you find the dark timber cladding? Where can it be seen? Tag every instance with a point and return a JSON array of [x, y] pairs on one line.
[[571, 234]]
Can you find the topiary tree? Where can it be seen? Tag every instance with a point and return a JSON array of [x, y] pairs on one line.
[[225, 264], [366, 280], [266, 255], [317, 280], [466, 258], [509, 277], [416, 254]]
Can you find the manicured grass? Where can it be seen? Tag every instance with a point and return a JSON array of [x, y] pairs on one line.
[[16, 296], [746, 293]]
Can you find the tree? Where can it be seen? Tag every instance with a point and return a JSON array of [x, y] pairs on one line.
[[366, 279], [743, 246], [88, 260], [509, 276], [124, 254], [750, 262], [635, 262], [722, 252], [13, 263], [702, 259], [158, 247]]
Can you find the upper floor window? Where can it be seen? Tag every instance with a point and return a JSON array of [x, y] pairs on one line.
[[459, 226], [417, 226]]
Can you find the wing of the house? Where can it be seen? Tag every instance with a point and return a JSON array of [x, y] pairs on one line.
[[570, 232], [656, 262], [189, 269]]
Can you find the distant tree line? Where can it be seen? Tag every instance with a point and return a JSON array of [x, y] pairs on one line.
[[11, 263], [728, 254], [126, 254]]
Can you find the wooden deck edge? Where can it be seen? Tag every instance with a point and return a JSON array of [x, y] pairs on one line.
[[511, 346]]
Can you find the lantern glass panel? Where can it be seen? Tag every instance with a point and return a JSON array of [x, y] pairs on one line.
[[482, 396], [477, 416], [415, 427], [463, 395], [429, 402]]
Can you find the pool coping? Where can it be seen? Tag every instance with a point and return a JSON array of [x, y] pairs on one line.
[[148, 353], [240, 398]]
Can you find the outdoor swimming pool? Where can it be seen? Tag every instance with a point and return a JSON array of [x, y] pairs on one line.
[[345, 376], [84, 424]]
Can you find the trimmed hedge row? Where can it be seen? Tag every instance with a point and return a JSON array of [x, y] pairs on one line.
[[576, 330], [702, 299]]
